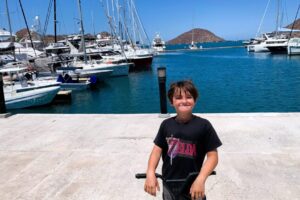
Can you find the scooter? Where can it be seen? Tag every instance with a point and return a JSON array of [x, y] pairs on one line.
[[176, 189]]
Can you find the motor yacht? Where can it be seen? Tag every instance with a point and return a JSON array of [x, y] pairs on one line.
[[158, 44], [21, 92]]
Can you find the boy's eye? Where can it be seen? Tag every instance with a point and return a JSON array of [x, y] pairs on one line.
[[177, 97]]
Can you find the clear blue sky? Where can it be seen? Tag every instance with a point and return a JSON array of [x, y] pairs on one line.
[[229, 19]]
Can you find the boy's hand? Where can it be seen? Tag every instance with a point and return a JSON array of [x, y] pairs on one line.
[[151, 184], [197, 189]]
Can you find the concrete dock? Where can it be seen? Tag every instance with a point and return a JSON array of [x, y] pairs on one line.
[[89, 157]]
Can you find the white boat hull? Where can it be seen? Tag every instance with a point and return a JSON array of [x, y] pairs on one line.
[[193, 48], [100, 74], [294, 46], [257, 48], [277, 45], [250, 48], [159, 49], [117, 69], [30, 98], [293, 50]]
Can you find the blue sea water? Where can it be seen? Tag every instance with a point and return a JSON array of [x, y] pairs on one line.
[[229, 80]]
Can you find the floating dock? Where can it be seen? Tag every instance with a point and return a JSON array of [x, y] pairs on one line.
[[63, 96], [91, 156]]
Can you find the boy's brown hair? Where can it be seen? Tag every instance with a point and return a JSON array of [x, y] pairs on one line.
[[183, 86]]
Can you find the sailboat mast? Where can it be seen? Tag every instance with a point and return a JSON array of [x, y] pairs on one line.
[[20, 2], [193, 35], [262, 19], [82, 31], [133, 23], [193, 17], [277, 17], [10, 29], [55, 33], [294, 22], [9, 22]]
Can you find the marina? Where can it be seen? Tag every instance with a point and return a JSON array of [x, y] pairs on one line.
[[230, 79]]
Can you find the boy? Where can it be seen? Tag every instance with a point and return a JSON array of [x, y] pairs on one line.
[[183, 142]]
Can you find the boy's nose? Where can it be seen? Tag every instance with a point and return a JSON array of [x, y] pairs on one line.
[[184, 99]]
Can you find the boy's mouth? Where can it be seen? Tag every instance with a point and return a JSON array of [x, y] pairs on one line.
[[183, 105]]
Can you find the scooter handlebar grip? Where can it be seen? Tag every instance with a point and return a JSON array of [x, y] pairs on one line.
[[142, 175]]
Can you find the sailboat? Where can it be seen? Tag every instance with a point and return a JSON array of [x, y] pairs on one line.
[[88, 64], [279, 41], [258, 44], [193, 45], [130, 36]]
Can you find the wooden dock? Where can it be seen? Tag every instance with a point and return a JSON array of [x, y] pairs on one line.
[[63, 96]]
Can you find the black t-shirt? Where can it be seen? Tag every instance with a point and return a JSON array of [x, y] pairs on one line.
[[184, 145]]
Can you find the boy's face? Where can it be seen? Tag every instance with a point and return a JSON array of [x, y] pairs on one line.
[[183, 102]]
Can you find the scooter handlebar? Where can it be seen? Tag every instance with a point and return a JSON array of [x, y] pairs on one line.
[[144, 175]]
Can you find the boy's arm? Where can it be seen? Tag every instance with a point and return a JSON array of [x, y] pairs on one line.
[[151, 183], [198, 187]]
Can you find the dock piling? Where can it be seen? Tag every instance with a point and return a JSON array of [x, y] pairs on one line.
[[2, 100], [161, 73]]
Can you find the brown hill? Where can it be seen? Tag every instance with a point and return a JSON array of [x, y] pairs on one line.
[[296, 27], [200, 35], [23, 33]]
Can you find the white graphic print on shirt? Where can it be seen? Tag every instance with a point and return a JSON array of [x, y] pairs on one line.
[[178, 147]]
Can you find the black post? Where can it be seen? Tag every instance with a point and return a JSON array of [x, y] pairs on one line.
[[2, 100], [161, 73]]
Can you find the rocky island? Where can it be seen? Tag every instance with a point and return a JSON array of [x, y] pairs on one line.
[[200, 35]]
